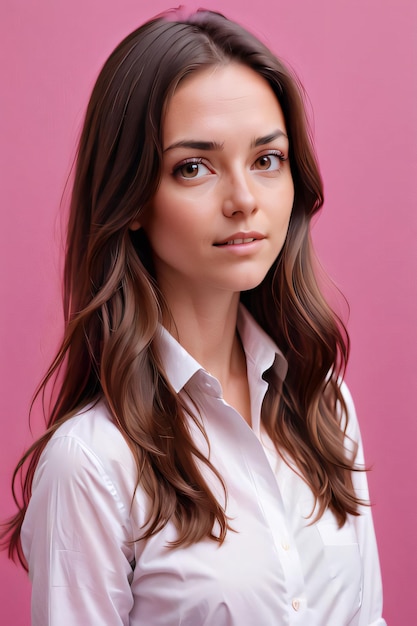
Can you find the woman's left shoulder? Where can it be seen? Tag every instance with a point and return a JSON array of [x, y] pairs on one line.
[[347, 395], [349, 415]]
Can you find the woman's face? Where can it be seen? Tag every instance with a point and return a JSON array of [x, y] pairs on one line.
[[220, 216]]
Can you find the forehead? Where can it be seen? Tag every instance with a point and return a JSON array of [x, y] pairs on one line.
[[212, 99]]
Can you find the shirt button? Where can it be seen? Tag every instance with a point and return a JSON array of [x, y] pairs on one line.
[[295, 604], [285, 546]]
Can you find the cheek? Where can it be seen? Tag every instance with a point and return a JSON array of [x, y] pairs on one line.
[[161, 217], [290, 191], [289, 200], [283, 208], [169, 227]]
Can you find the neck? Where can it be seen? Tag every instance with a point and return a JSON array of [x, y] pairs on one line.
[[206, 328]]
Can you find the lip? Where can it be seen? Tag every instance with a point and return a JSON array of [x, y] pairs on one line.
[[240, 239]]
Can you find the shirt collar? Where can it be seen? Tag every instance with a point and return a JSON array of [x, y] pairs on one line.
[[259, 348]]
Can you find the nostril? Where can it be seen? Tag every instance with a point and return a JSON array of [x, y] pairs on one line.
[[237, 206], [229, 206]]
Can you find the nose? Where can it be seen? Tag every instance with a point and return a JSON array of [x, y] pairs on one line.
[[238, 197]]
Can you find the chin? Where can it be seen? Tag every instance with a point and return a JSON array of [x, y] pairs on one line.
[[249, 282]]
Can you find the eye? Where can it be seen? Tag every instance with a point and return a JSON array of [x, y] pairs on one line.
[[191, 169], [271, 162]]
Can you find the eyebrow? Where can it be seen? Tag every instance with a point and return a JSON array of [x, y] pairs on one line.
[[196, 145], [214, 145], [261, 141]]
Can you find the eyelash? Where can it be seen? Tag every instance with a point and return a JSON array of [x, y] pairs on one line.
[[192, 161], [200, 161], [277, 153]]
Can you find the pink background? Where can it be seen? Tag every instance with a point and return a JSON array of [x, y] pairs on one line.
[[358, 62]]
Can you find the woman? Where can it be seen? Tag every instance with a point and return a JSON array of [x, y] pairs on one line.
[[203, 462]]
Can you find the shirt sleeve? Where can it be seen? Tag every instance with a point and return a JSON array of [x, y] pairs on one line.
[[77, 540], [371, 607]]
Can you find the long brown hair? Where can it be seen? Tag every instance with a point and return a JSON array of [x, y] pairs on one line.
[[113, 305]]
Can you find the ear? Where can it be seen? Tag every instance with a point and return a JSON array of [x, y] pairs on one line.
[[135, 225]]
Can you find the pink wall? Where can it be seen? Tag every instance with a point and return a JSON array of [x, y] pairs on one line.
[[358, 62]]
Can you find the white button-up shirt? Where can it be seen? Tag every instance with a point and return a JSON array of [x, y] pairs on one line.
[[275, 568]]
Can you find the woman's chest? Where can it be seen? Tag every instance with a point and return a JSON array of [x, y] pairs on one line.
[[276, 566]]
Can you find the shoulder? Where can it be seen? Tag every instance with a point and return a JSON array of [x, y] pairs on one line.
[[350, 424], [82, 496], [89, 425], [90, 442], [349, 417], [347, 397]]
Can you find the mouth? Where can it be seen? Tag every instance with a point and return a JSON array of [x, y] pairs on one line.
[[240, 239], [235, 242]]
